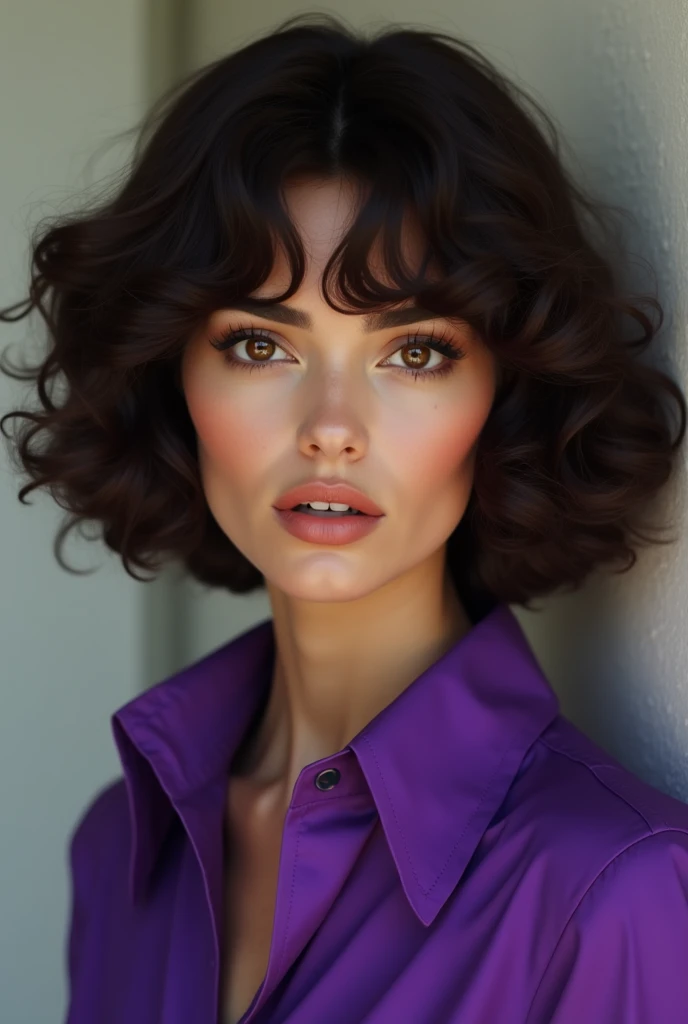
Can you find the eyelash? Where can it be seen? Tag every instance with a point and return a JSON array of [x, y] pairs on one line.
[[441, 343]]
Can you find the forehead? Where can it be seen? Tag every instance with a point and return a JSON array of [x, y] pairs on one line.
[[322, 210]]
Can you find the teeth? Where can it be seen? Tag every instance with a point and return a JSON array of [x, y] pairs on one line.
[[322, 506]]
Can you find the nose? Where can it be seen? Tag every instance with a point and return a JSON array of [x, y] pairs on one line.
[[334, 426]]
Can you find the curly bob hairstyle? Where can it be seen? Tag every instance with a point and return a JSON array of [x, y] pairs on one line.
[[578, 439]]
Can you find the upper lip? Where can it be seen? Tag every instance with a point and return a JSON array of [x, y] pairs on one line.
[[331, 490]]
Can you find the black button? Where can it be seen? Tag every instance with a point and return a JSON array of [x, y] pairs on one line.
[[328, 778]]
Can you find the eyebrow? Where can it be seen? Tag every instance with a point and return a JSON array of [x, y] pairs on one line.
[[299, 318]]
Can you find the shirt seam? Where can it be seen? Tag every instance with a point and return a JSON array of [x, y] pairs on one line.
[[591, 768], [619, 853]]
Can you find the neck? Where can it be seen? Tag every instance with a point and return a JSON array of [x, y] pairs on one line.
[[338, 664]]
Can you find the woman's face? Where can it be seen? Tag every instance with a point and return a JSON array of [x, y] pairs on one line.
[[332, 399]]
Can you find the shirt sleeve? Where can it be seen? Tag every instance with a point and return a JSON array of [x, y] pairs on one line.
[[623, 955]]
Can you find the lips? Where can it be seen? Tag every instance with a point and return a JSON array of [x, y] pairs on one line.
[[318, 490]]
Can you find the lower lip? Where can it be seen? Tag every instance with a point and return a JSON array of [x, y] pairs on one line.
[[318, 530]]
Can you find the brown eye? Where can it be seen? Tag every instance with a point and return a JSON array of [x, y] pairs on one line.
[[420, 349], [259, 347], [418, 355]]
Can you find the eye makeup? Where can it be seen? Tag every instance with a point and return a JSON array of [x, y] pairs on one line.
[[441, 342]]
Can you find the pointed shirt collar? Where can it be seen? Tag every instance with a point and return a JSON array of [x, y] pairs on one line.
[[438, 760]]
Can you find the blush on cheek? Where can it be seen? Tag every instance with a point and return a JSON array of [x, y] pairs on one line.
[[237, 440], [229, 447], [439, 458]]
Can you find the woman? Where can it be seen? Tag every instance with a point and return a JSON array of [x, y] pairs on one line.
[[343, 332]]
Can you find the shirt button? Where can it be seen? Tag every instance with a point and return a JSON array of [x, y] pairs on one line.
[[328, 778]]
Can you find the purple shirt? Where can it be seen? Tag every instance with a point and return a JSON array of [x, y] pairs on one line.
[[470, 857]]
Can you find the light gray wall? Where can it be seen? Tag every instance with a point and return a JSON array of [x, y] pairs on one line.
[[613, 73], [72, 74]]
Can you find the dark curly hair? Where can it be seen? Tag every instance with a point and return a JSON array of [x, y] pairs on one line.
[[577, 441]]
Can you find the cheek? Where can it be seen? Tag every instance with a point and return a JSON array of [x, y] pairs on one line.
[[233, 431], [436, 451]]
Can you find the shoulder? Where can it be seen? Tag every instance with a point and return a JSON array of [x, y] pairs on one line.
[[620, 825], [621, 955], [585, 778], [611, 855], [572, 810]]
